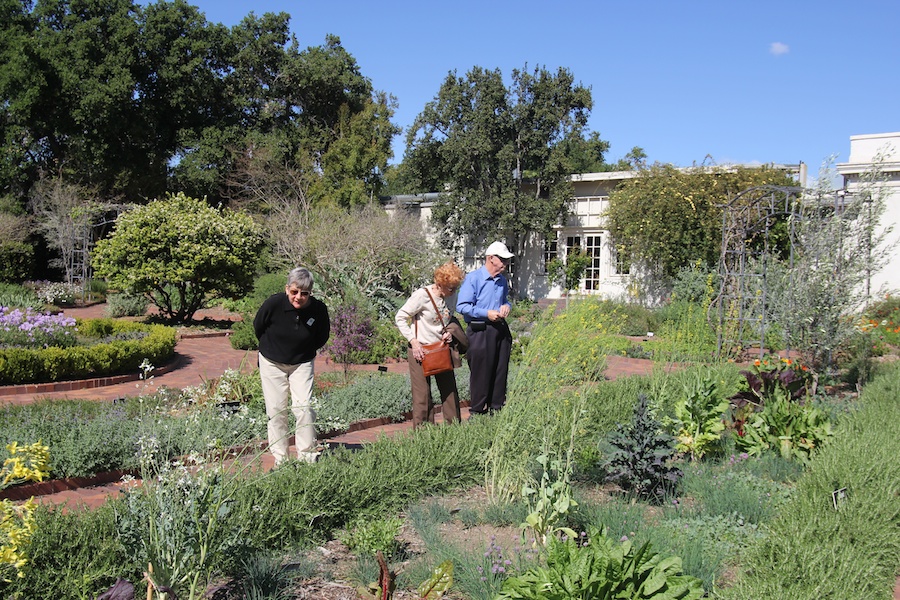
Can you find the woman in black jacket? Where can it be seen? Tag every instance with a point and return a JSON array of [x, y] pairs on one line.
[[291, 327]]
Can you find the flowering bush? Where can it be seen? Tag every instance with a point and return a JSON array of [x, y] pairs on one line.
[[52, 292], [30, 329], [882, 323]]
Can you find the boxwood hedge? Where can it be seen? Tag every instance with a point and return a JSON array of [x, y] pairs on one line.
[[109, 347]]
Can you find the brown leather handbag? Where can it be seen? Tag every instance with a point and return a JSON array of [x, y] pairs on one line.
[[438, 358]]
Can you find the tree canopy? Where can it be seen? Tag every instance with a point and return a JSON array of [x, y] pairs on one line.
[[667, 218], [132, 100], [481, 141]]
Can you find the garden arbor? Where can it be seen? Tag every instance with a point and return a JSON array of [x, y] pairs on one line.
[[758, 225], [797, 263]]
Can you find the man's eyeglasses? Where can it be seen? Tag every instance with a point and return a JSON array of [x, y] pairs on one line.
[[505, 261], [301, 293]]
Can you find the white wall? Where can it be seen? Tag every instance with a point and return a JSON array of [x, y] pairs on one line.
[[863, 151]]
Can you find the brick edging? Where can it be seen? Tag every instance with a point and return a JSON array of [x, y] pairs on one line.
[[84, 384], [53, 486]]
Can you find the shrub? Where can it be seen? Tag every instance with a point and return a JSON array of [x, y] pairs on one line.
[[25, 365], [629, 319], [352, 332], [125, 304], [243, 337], [182, 253], [16, 260]]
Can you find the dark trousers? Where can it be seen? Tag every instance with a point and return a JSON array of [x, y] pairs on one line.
[[488, 358], [422, 402]]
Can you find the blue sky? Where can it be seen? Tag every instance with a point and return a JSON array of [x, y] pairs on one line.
[[764, 81]]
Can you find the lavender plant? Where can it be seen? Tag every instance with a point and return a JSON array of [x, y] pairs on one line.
[[30, 329]]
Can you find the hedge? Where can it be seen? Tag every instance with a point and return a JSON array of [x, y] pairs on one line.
[[113, 357]]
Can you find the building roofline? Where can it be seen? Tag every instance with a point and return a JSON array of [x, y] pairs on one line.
[[854, 168], [615, 175]]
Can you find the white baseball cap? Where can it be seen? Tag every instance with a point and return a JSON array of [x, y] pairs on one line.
[[498, 249]]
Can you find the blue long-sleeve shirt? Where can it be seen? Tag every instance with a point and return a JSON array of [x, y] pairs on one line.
[[480, 293]]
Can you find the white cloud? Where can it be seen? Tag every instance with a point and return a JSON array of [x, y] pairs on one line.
[[777, 48]]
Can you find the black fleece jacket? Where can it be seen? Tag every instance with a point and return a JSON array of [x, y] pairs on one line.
[[288, 335]]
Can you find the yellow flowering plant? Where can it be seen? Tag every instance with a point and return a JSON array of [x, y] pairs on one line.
[[25, 463]]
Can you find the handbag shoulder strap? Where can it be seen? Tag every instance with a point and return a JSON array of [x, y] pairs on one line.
[[434, 304]]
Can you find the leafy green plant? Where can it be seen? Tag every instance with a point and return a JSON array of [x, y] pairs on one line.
[[641, 456], [775, 377], [550, 501], [18, 296], [793, 430], [370, 536], [600, 568], [179, 526], [435, 586], [698, 421]]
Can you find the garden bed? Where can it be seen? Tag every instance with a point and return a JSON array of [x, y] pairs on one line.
[[120, 347]]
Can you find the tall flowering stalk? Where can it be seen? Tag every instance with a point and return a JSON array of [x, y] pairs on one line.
[[30, 329]]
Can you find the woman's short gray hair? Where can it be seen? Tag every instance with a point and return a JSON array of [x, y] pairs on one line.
[[302, 278]]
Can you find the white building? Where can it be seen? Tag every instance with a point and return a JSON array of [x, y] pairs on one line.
[[864, 149], [607, 275], [584, 229]]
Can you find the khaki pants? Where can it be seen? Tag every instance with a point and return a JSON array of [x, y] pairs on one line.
[[279, 381]]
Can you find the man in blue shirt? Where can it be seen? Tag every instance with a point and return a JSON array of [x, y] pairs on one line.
[[483, 302]]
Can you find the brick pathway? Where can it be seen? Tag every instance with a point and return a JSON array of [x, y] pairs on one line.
[[198, 359]]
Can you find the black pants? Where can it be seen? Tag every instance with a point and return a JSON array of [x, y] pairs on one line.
[[488, 358]]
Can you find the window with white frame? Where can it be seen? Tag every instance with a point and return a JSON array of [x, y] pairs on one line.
[[593, 245], [551, 251]]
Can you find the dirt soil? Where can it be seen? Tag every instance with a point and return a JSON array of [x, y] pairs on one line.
[[338, 561]]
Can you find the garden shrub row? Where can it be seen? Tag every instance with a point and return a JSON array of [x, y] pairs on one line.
[[115, 357], [839, 536]]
